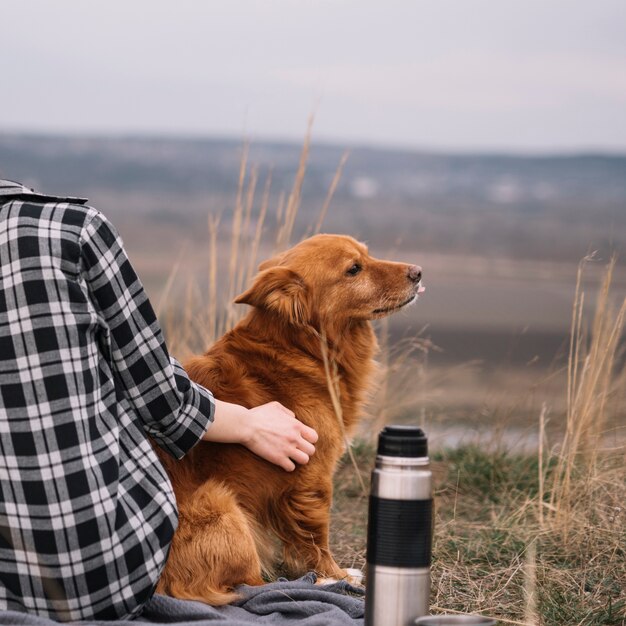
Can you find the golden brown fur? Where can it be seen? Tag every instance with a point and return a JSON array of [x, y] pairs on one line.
[[239, 514]]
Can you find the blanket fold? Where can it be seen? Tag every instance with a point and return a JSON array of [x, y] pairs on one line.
[[283, 602]]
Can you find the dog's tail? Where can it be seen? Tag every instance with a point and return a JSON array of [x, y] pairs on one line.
[[213, 549], [197, 591]]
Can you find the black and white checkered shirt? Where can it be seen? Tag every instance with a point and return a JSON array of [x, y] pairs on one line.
[[87, 512]]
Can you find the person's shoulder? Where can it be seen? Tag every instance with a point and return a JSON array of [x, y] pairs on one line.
[[68, 212]]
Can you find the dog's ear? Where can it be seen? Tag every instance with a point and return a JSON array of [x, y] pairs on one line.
[[281, 290]]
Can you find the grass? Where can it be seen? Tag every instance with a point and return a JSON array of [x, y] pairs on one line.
[[491, 555], [534, 538]]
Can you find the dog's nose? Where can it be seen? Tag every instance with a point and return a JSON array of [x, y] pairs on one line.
[[415, 273]]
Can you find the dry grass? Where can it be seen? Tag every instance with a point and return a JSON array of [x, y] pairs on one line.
[[533, 538], [592, 384], [491, 554]]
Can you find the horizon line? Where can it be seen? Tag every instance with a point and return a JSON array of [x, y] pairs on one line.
[[331, 142]]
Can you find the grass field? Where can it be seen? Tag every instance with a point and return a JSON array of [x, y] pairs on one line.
[[492, 552]]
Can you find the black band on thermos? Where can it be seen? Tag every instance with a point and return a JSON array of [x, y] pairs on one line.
[[399, 532]]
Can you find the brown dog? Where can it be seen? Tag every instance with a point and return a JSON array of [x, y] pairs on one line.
[[238, 513]]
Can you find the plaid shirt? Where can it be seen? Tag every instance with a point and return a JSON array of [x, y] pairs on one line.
[[87, 512]]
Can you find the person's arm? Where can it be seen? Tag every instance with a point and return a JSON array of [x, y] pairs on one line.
[[269, 430], [173, 410]]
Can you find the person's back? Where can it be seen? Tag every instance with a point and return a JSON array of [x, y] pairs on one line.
[[86, 511]]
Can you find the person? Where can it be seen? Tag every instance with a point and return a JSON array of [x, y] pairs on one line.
[[87, 512]]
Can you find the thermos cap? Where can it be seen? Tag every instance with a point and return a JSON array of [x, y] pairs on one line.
[[402, 441]]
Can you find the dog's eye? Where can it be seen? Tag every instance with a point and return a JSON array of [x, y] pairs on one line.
[[354, 270]]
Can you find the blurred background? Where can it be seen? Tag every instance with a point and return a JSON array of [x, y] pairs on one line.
[[484, 141]]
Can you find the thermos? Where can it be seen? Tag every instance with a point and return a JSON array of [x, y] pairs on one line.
[[399, 532]]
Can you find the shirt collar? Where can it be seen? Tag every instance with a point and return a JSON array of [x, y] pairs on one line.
[[12, 188]]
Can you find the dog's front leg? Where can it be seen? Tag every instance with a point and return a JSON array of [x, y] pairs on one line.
[[303, 520]]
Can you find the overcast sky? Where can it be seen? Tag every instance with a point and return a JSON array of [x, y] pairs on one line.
[[529, 75]]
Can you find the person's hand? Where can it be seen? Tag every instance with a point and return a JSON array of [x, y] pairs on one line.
[[271, 431], [279, 437]]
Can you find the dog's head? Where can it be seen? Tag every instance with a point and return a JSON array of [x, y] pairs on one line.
[[332, 277]]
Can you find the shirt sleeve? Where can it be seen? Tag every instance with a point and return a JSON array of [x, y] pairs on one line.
[[174, 410]]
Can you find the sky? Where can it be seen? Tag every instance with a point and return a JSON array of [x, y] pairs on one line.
[[460, 75]]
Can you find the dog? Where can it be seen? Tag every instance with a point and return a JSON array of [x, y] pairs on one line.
[[240, 515]]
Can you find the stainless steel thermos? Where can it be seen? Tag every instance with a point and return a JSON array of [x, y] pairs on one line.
[[399, 532]]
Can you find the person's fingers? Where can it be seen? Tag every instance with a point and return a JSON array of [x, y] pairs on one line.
[[288, 465], [308, 433], [299, 457], [306, 447]]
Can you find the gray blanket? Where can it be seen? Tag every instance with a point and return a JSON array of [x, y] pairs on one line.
[[283, 602]]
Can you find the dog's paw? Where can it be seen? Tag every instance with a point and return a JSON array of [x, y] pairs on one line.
[[352, 575], [355, 576]]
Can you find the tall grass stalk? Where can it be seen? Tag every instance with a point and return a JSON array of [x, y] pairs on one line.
[[530, 585], [212, 322], [540, 465], [403, 380], [285, 229], [253, 257], [332, 381], [592, 381], [235, 238], [331, 192]]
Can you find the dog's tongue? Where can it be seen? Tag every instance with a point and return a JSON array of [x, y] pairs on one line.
[[421, 289]]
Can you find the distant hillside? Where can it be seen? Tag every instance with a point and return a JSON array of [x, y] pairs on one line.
[[548, 207], [499, 236]]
